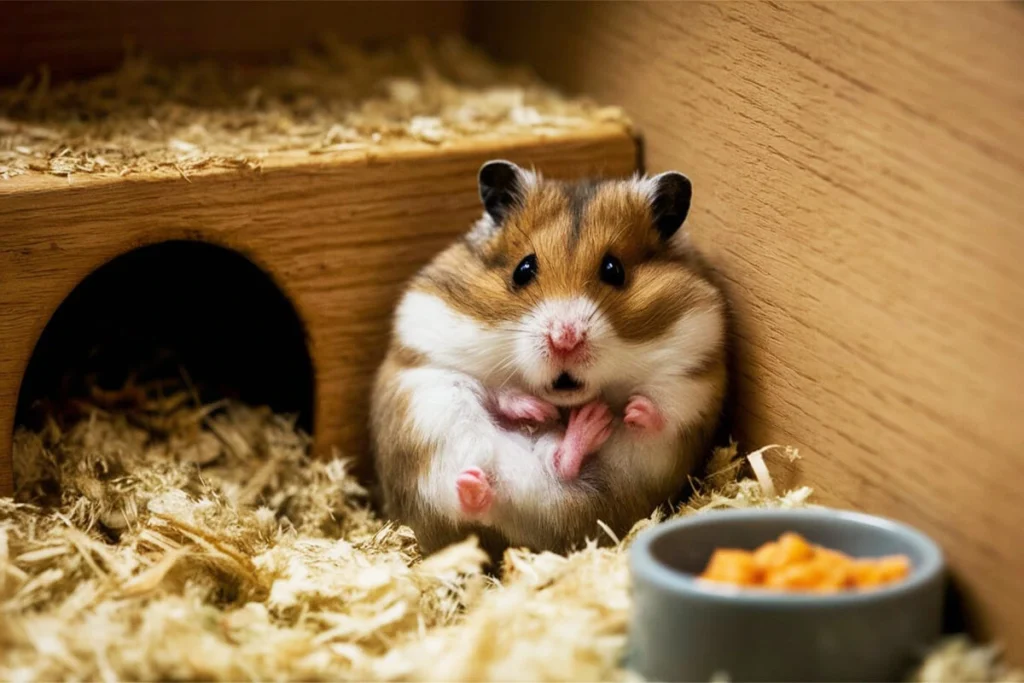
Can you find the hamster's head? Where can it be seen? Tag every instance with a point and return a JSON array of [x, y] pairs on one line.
[[562, 289]]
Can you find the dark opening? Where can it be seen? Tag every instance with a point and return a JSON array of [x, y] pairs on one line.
[[179, 309]]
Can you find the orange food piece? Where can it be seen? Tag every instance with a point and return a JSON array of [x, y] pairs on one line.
[[834, 557], [789, 549], [881, 571], [803, 575], [815, 574], [732, 566], [792, 564]]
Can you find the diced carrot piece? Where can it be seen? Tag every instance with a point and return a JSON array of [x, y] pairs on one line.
[[838, 567], [831, 582], [768, 556], [837, 573], [865, 574], [802, 576], [881, 571], [893, 568], [732, 566], [790, 548], [833, 556], [795, 548]]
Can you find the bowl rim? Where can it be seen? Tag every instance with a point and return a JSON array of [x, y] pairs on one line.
[[644, 564]]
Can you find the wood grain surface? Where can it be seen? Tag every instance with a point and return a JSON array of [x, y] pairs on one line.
[[75, 38], [858, 172], [340, 237]]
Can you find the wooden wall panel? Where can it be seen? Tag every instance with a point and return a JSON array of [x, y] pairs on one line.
[[858, 172], [82, 37]]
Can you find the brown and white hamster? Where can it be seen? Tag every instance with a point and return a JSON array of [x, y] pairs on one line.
[[562, 363]]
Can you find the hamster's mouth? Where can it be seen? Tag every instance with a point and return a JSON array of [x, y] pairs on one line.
[[567, 391], [566, 383]]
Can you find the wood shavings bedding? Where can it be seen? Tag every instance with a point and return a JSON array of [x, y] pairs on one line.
[[333, 99], [128, 555]]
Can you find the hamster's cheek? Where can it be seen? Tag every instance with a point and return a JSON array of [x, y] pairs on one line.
[[530, 360], [615, 364]]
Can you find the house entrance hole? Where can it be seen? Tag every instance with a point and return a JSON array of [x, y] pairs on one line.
[[180, 309]]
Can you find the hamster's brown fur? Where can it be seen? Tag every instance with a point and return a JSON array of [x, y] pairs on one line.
[[570, 227]]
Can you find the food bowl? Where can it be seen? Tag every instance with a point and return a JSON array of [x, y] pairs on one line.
[[684, 629]]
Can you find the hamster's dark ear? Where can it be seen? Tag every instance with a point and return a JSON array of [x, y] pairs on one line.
[[502, 184], [670, 202]]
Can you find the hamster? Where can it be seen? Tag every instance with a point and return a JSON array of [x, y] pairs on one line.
[[563, 363]]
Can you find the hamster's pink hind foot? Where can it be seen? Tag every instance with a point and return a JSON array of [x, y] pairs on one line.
[[516, 406], [642, 415], [589, 427], [475, 492]]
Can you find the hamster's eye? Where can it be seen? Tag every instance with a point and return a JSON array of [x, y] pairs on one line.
[[525, 271], [612, 272]]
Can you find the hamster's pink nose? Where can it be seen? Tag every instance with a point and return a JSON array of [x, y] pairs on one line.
[[565, 338]]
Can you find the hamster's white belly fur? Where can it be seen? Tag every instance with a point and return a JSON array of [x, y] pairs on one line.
[[532, 505]]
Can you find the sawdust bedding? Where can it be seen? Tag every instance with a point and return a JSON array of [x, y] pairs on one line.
[[335, 98], [168, 540]]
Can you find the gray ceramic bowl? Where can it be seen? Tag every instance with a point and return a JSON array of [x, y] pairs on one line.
[[683, 630]]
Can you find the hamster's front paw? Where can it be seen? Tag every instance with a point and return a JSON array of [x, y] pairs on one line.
[[643, 416], [589, 427], [515, 406], [475, 492]]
